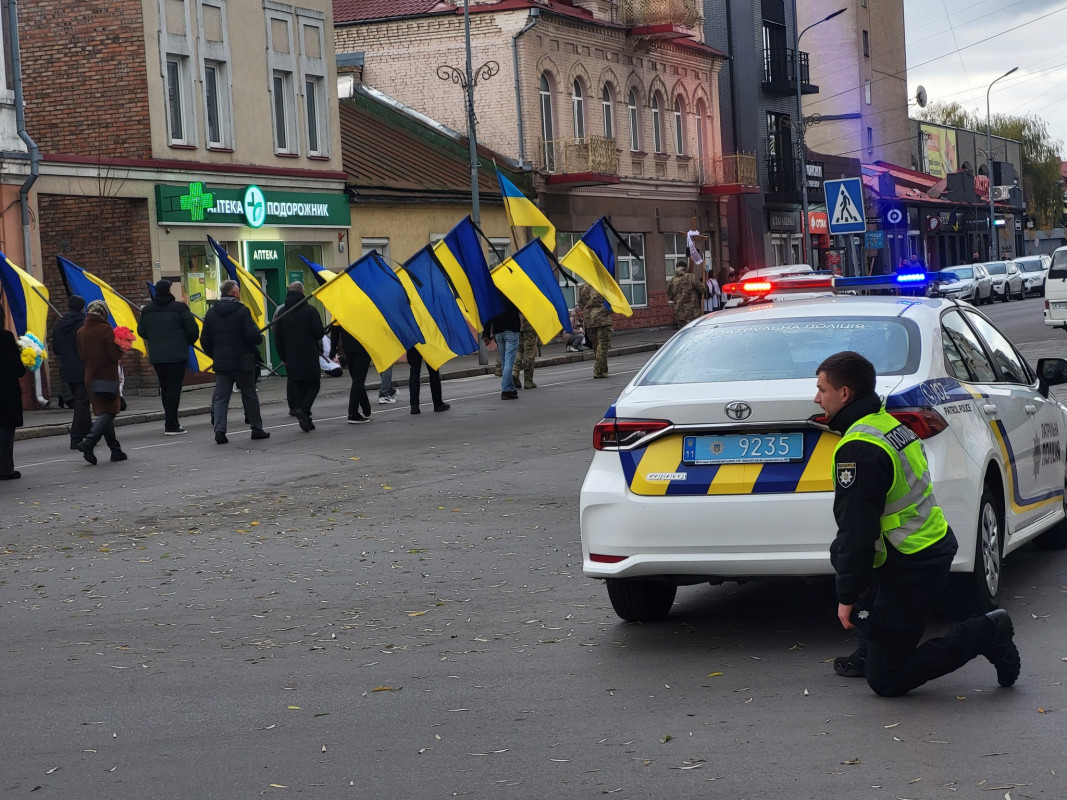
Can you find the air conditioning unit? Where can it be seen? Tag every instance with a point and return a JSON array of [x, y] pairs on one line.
[[1002, 193]]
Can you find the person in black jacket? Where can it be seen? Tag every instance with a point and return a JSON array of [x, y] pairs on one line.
[[168, 328], [71, 367], [298, 332], [230, 339], [11, 369]]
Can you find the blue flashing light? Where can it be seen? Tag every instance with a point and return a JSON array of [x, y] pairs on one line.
[[911, 277]]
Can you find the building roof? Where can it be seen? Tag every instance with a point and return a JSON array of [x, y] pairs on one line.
[[361, 10], [389, 155]]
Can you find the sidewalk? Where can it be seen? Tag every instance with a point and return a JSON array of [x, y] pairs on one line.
[[197, 399]]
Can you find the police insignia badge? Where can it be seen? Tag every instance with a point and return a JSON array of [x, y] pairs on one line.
[[846, 474]]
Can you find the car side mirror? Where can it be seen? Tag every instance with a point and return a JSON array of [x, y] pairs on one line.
[[1051, 372]]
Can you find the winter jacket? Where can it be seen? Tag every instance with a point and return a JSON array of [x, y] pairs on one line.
[[11, 369], [65, 346], [298, 332], [506, 320], [168, 328], [101, 355], [230, 337]]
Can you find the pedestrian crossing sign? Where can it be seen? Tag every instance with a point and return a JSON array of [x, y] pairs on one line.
[[844, 202]]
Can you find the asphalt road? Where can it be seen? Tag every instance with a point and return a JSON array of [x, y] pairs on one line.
[[398, 610]]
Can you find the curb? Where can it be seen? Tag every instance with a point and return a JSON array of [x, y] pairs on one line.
[[139, 417]]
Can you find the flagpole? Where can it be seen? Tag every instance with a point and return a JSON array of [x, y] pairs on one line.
[[37, 292]]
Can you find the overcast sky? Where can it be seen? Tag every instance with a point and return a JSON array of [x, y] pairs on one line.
[[956, 48]]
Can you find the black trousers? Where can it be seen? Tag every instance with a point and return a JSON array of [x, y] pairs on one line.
[[891, 624], [358, 366], [171, 375], [301, 394], [415, 373], [7, 449], [83, 420]]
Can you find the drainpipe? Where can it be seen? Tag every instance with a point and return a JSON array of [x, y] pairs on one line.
[[35, 163], [535, 13]]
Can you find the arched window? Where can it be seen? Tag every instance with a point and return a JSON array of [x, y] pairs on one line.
[[547, 128], [657, 124], [700, 130], [679, 130], [578, 107], [635, 133], [609, 113]]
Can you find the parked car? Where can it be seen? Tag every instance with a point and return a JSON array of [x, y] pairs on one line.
[[1007, 281], [1034, 269], [966, 282], [1056, 290]]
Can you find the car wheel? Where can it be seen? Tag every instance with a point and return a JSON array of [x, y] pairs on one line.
[[641, 601], [1055, 538], [978, 590], [1022, 294]]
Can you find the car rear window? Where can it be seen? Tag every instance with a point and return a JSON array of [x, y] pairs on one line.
[[997, 268], [1029, 266], [781, 349], [956, 273], [1059, 264]]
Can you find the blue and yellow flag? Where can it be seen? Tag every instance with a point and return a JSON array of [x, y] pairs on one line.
[[25, 298], [369, 302], [528, 281], [460, 253], [322, 275], [522, 211], [436, 309], [198, 360], [585, 261], [252, 294], [93, 288]]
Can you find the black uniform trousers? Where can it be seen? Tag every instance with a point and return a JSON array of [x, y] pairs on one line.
[[171, 376], [414, 374], [358, 366], [301, 394], [83, 420], [891, 620]]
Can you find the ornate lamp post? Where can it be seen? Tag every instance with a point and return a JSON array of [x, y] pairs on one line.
[[994, 239]]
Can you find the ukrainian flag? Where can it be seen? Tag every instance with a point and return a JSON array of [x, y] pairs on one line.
[[528, 281], [26, 299], [522, 211], [322, 275], [586, 261], [198, 360], [436, 310], [460, 253], [369, 301], [252, 294], [87, 285]]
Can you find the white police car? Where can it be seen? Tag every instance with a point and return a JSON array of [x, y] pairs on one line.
[[715, 463]]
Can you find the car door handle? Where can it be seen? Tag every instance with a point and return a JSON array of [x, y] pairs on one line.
[[989, 409], [1030, 410]]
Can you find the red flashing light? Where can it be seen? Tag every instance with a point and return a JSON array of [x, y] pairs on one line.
[[618, 434], [924, 422], [756, 288], [603, 559]]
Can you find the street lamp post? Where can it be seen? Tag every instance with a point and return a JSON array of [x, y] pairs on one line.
[[994, 240], [800, 128]]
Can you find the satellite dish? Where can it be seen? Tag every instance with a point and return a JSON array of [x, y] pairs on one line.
[[920, 96]]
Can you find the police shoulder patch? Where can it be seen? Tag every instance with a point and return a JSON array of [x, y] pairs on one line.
[[846, 474]]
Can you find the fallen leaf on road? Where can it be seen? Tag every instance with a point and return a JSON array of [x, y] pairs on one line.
[[383, 689], [294, 708], [717, 674], [851, 761]]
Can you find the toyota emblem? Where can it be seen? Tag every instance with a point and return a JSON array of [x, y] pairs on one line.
[[738, 410]]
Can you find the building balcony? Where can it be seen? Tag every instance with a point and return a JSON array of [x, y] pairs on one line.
[[662, 19], [589, 161], [779, 72], [730, 174]]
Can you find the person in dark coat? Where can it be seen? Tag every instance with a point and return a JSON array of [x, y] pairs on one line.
[[71, 368], [168, 327], [11, 369], [101, 356], [358, 365], [230, 339], [298, 332]]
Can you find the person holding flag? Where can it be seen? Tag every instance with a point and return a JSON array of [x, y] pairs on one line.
[[168, 328], [596, 317]]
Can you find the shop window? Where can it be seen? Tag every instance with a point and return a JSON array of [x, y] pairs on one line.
[[630, 269], [295, 267], [201, 274]]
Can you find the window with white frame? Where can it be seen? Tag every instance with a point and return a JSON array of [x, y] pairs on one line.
[[178, 100], [674, 251], [282, 102], [215, 74], [657, 124], [568, 281], [312, 27], [282, 64], [176, 47], [7, 79], [870, 140], [700, 130], [608, 107], [867, 92], [499, 251], [578, 109], [380, 244], [635, 133], [630, 268], [315, 107], [544, 93], [679, 129]]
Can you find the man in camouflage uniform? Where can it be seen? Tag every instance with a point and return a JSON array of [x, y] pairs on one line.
[[527, 354], [685, 290], [597, 320]]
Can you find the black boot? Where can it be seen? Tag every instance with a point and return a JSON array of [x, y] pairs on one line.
[[86, 446]]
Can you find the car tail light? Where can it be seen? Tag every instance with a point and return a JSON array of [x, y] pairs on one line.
[[618, 434], [924, 422], [603, 559]]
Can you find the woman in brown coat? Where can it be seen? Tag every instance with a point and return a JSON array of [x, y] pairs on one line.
[[101, 355]]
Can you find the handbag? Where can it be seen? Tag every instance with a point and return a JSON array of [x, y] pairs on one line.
[[104, 387]]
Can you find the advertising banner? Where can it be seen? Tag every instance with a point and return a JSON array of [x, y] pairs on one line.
[[941, 156]]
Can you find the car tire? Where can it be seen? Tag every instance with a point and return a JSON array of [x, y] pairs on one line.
[[1022, 294], [977, 591], [641, 601]]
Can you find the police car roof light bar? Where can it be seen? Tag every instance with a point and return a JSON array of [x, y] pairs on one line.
[[825, 282]]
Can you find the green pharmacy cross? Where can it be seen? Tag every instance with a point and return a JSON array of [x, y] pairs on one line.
[[197, 201]]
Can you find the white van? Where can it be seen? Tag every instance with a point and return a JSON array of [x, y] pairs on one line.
[[1056, 290]]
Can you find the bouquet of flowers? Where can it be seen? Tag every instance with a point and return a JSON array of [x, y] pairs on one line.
[[31, 351], [124, 337]]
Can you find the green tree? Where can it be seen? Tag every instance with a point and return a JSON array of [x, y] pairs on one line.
[[1040, 178]]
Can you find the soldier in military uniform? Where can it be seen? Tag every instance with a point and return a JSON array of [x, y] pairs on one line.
[[685, 290], [527, 354], [597, 318]]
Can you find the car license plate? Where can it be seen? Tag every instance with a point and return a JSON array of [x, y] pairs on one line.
[[744, 448], [1059, 306]]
